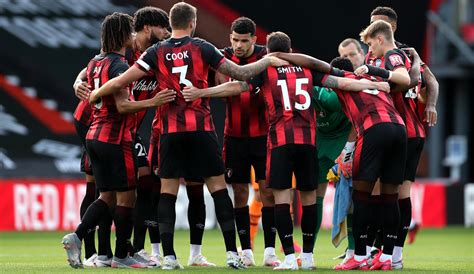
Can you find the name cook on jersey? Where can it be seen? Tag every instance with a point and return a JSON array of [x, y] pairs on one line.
[[177, 56]]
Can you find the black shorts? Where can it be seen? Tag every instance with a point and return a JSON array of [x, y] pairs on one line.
[[81, 131], [114, 166], [240, 154], [140, 151], [414, 149], [379, 153], [283, 161], [190, 155]]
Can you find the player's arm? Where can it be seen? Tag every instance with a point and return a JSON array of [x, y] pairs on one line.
[[347, 84], [80, 86], [395, 71], [432, 91], [248, 71], [116, 84], [124, 105], [304, 60], [224, 90]]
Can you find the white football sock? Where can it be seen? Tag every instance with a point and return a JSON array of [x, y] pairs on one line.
[[155, 249], [397, 253], [194, 250]]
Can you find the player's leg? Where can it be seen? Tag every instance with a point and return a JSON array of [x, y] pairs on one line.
[[238, 165], [122, 176], [279, 179], [73, 241], [375, 224], [143, 207], [153, 227], [390, 179], [89, 240], [365, 171], [414, 149], [306, 168], [89, 197], [197, 221]]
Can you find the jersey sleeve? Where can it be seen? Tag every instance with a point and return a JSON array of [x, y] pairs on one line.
[[256, 83], [212, 55], [148, 60], [327, 99], [116, 68], [394, 59]]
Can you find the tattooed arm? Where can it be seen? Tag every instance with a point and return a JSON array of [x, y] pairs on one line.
[[354, 85], [224, 90], [248, 71], [304, 61]]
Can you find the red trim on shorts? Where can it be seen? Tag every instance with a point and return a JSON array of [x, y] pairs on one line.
[[128, 155]]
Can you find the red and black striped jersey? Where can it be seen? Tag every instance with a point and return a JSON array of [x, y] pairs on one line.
[[292, 118], [108, 125], [83, 112], [368, 107], [177, 63], [405, 102], [143, 89], [246, 116]]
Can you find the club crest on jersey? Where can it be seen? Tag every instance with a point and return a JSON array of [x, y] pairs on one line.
[[395, 60], [229, 172], [378, 62], [411, 93]]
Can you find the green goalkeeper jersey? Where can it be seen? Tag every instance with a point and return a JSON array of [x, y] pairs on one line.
[[332, 130]]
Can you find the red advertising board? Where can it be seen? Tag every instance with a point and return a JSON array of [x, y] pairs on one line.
[[49, 205]]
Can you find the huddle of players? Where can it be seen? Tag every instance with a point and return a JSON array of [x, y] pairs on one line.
[[278, 106]]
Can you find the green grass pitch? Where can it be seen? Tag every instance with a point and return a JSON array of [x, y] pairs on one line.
[[435, 250]]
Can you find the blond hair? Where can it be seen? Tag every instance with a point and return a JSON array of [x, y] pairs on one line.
[[377, 27]]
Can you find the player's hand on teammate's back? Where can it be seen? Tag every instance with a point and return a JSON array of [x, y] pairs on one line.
[[191, 94], [384, 86], [82, 90], [411, 52], [361, 70], [277, 62], [163, 97]]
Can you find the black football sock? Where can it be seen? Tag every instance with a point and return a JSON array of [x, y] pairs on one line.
[[225, 217], [166, 222], [360, 219], [269, 227], [142, 211], [308, 227], [284, 225], [242, 221], [153, 227], [105, 229], [405, 219], [375, 219], [89, 238], [91, 218], [124, 226], [391, 221], [196, 213]]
